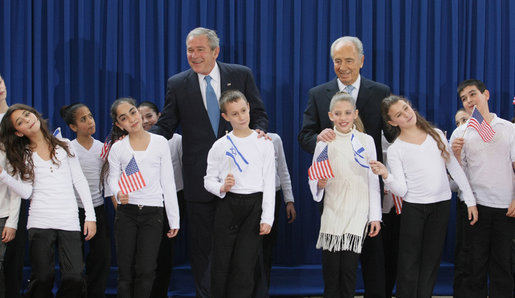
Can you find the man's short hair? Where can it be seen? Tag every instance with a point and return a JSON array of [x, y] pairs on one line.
[[471, 82], [231, 96], [212, 38], [357, 44]]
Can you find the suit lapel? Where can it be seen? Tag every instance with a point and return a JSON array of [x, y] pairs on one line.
[[363, 94], [331, 90]]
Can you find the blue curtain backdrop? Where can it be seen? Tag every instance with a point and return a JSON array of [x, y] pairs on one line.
[[56, 52]]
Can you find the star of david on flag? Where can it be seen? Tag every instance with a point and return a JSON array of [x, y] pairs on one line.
[[131, 179], [359, 151], [236, 156]]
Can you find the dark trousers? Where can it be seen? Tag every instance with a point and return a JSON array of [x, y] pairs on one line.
[[2, 255], [201, 218], [98, 260], [422, 236], [461, 250], [339, 272], [165, 256], [264, 265], [138, 235], [490, 254], [236, 243], [372, 266], [390, 230], [42, 244], [14, 255]]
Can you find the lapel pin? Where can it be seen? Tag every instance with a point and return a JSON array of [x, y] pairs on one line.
[[228, 84]]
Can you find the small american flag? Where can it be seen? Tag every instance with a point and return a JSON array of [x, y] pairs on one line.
[[131, 179], [397, 201], [321, 168], [484, 129], [514, 100], [106, 147]]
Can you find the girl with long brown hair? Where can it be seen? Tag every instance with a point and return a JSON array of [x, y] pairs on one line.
[[418, 160], [49, 172]]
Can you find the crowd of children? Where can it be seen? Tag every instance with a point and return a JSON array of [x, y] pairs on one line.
[[141, 174]]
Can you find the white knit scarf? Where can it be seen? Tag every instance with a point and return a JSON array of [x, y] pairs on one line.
[[346, 200]]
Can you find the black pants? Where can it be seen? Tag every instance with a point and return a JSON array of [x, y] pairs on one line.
[[490, 254], [42, 244], [2, 255], [372, 266], [138, 235], [422, 236], [390, 231], [14, 255], [264, 265], [461, 250], [98, 260], [165, 255], [236, 243], [339, 271], [201, 217]]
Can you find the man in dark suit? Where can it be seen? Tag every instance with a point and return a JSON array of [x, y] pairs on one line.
[[187, 104], [348, 58]]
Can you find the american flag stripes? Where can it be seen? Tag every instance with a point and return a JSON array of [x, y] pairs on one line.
[[484, 129], [106, 147], [321, 168], [397, 201], [131, 179]]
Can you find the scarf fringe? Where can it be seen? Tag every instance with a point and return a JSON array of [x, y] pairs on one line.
[[345, 242]]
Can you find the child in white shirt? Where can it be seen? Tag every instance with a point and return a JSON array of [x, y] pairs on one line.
[[241, 171], [352, 202], [418, 160], [139, 215], [80, 120], [489, 168], [49, 171]]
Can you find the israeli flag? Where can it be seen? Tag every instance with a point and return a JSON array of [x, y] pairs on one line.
[[236, 156], [359, 152], [57, 133]]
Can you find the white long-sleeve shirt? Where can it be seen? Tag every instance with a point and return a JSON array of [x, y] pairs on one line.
[[374, 213], [282, 175], [9, 200], [155, 165], [91, 164], [53, 204], [418, 175], [258, 176], [489, 166], [176, 152]]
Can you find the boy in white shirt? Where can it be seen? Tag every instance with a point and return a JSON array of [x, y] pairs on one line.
[[489, 168], [241, 171]]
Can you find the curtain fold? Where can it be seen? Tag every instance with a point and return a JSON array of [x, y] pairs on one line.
[[56, 52]]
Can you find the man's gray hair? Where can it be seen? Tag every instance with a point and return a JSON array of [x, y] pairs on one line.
[[346, 39], [212, 38]]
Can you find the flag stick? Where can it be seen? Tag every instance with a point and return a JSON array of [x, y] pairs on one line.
[[228, 159]]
